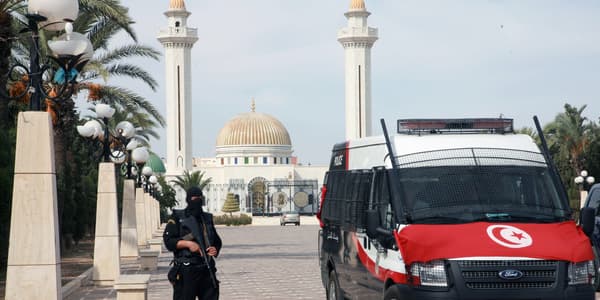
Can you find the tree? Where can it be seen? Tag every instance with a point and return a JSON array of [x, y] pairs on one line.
[[5, 34], [569, 138], [191, 179], [573, 133], [166, 197], [231, 205]]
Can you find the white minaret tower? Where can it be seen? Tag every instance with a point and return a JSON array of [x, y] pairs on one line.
[[178, 40], [358, 39]]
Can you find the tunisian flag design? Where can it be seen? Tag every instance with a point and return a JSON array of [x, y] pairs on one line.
[[556, 241]]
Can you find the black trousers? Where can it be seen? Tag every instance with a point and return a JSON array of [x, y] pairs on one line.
[[195, 282]]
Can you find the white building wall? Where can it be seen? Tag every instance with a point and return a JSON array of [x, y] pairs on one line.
[[216, 192]]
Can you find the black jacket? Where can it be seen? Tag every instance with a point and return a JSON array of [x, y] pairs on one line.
[[174, 232]]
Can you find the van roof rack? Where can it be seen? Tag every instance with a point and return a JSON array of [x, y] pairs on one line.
[[469, 125]]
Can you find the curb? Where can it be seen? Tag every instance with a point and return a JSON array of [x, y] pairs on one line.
[[76, 283]]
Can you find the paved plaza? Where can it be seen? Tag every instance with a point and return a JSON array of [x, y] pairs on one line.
[[256, 262]]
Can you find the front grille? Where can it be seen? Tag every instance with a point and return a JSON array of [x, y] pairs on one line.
[[484, 274]]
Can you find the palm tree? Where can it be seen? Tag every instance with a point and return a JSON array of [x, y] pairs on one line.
[[6, 6], [571, 134], [191, 179]]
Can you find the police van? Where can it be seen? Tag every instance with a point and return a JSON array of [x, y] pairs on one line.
[[450, 209]]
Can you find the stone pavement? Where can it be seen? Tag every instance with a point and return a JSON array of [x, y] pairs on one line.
[[256, 262]]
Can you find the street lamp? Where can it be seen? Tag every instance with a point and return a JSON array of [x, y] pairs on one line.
[[54, 79], [584, 181], [120, 139], [153, 180], [147, 173]]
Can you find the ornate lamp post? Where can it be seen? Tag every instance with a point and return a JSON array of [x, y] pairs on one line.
[[119, 138], [152, 180], [53, 79], [584, 181], [106, 247]]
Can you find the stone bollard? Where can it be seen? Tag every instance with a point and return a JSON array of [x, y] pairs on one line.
[[33, 270], [129, 247], [106, 244], [132, 287], [140, 218], [149, 259], [156, 245]]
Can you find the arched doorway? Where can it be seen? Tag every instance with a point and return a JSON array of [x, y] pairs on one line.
[[257, 189]]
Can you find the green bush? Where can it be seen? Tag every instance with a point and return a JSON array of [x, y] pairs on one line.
[[232, 220]]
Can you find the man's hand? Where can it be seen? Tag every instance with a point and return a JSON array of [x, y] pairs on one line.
[[211, 251], [194, 247]]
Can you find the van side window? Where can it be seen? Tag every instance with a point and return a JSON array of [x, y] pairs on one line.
[[380, 200], [358, 199], [332, 204], [347, 198]]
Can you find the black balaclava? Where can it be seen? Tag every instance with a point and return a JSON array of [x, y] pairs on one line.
[[194, 208]]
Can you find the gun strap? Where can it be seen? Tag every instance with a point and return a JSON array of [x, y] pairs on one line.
[[204, 233]]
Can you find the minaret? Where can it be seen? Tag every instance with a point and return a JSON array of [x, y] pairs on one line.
[[178, 40], [358, 39]]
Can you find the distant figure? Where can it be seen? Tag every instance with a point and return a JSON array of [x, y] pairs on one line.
[[191, 236]]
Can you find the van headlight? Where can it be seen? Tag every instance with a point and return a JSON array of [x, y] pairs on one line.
[[432, 273], [581, 272]]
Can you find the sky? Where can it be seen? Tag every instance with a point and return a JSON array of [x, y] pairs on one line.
[[433, 59]]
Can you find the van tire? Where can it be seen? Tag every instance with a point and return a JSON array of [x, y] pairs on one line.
[[333, 287], [392, 293]]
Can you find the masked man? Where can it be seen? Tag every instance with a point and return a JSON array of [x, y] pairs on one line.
[[191, 236]]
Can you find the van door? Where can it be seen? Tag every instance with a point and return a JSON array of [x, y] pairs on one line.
[[380, 201], [357, 204], [335, 235]]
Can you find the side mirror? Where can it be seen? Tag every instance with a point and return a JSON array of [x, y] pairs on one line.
[[587, 220], [374, 230], [373, 223]]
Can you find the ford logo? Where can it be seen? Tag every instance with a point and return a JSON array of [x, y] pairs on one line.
[[510, 274]]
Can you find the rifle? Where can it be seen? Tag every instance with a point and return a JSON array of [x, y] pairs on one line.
[[192, 225]]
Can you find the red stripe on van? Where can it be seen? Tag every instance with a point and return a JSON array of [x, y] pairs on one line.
[[380, 273]]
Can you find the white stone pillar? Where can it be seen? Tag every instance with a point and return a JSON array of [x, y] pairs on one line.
[[128, 222], [140, 217], [152, 216], [582, 197], [148, 211], [156, 215], [106, 246], [33, 270]]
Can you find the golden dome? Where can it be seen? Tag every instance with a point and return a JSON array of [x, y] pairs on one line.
[[176, 4], [357, 5], [253, 128]]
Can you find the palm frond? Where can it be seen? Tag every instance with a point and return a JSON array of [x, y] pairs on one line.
[[133, 72], [111, 9], [130, 100], [129, 51]]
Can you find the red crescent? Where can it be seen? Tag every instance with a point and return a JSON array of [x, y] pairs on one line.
[[501, 238]]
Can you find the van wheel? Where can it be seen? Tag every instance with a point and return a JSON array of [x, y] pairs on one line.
[[392, 293], [333, 287]]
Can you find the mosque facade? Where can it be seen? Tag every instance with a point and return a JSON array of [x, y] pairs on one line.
[[254, 158], [254, 161]]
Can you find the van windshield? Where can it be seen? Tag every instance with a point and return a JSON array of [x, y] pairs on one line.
[[470, 193]]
